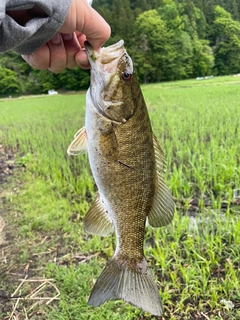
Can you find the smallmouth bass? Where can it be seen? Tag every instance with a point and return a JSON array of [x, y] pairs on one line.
[[127, 164]]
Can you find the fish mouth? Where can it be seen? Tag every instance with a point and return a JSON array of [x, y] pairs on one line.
[[106, 55], [104, 79]]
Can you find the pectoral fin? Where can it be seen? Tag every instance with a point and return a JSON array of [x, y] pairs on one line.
[[163, 206], [79, 143], [97, 220]]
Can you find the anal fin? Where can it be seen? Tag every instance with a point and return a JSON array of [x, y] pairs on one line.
[[97, 221]]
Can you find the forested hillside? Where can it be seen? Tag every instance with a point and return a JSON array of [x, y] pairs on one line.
[[167, 39]]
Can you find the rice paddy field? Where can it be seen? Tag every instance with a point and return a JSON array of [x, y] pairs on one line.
[[49, 265]]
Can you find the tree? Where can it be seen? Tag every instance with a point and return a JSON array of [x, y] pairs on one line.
[[203, 58], [226, 38], [15, 62], [170, 14], [181, 55], [167, 39], [122, 22], [232, 7], [192, 55], [154, 46], [75, 79], [8, 81]]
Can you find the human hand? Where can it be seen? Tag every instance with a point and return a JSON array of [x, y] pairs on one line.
[[66, 48]]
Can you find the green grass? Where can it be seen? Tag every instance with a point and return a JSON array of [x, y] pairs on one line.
[[196, 262]]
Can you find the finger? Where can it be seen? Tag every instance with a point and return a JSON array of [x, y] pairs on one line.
[[72, 47], [95, 28], [81, 38], [81, 59], [39, 59], [58, 56]]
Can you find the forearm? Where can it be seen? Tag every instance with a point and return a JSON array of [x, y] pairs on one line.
[[26, 25]]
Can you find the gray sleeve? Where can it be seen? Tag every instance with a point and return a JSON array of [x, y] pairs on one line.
[[36, 32]]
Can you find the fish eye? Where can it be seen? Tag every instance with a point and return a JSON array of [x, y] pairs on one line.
[[126, 75]]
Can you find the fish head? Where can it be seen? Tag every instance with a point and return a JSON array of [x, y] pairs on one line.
[[112, 80]]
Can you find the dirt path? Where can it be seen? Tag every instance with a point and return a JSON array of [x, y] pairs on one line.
[[21, 274]]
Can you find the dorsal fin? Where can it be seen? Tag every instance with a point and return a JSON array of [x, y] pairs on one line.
[[79, 143], [96, 220], [162, 209]]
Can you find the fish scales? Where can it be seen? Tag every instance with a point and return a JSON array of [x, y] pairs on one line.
[[125, 160], [128, 177]]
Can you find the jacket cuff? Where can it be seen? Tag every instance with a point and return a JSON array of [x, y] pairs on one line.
[[37, 31]]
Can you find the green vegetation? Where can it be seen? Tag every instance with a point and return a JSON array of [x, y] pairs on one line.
[[167, 39], [195, 261]]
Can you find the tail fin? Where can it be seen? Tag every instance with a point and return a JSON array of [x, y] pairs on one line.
[[135, 286]]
